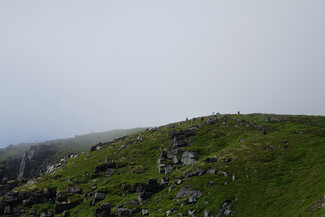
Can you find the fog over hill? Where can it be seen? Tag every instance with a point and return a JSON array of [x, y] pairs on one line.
[[74, 67]]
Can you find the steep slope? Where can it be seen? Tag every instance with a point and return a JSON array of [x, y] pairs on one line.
[[27, 160], [227, 165]]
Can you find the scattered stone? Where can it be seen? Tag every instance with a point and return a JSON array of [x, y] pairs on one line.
[[211, 171], [179, 181]]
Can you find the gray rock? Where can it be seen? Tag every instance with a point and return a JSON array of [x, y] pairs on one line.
[[211, 171], [179, 181], [177, 142], [171, 187], [99, 196], [195, 196], [59, 207], [223, 173], [7, 210], [227, 212], [168, 169], [175, 160], [123, 212], [133, 202], [170, 156], [46, 214], [103, 211], [168, 213], [187, 191], [145, 212], [211, 121], [104, 167], [220, 214], [189, 158], [109, 172], [160, 160], [161, 168], [191, 213], [164, 181], [143, 195], [207, 213]]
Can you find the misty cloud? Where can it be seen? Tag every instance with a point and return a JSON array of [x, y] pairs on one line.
[[74, 67]]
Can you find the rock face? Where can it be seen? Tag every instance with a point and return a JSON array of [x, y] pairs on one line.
[[10, 168], [187, 191], [34, 161]]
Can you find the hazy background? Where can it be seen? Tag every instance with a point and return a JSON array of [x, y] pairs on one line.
[[73, 67]]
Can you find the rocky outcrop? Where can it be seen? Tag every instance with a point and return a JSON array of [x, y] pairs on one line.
[[103, 211], [35, 160], [224, 210], [193, 195], [9, 168], [189, 158]]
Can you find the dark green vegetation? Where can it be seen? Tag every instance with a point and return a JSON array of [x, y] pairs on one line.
[[266, 165]]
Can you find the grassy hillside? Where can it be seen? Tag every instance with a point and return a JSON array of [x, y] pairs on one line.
[[11, 156], [247, 165]]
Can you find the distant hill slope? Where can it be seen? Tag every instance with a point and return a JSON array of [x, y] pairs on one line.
[[11, 156], [227, 165]]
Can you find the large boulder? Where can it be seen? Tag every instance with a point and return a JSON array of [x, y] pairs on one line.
[[103, 211], [189, 158], [187, 191]]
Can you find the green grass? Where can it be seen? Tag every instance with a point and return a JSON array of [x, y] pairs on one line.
[[277, 174]]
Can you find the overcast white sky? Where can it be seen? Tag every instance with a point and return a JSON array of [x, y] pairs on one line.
[[71, 67]]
